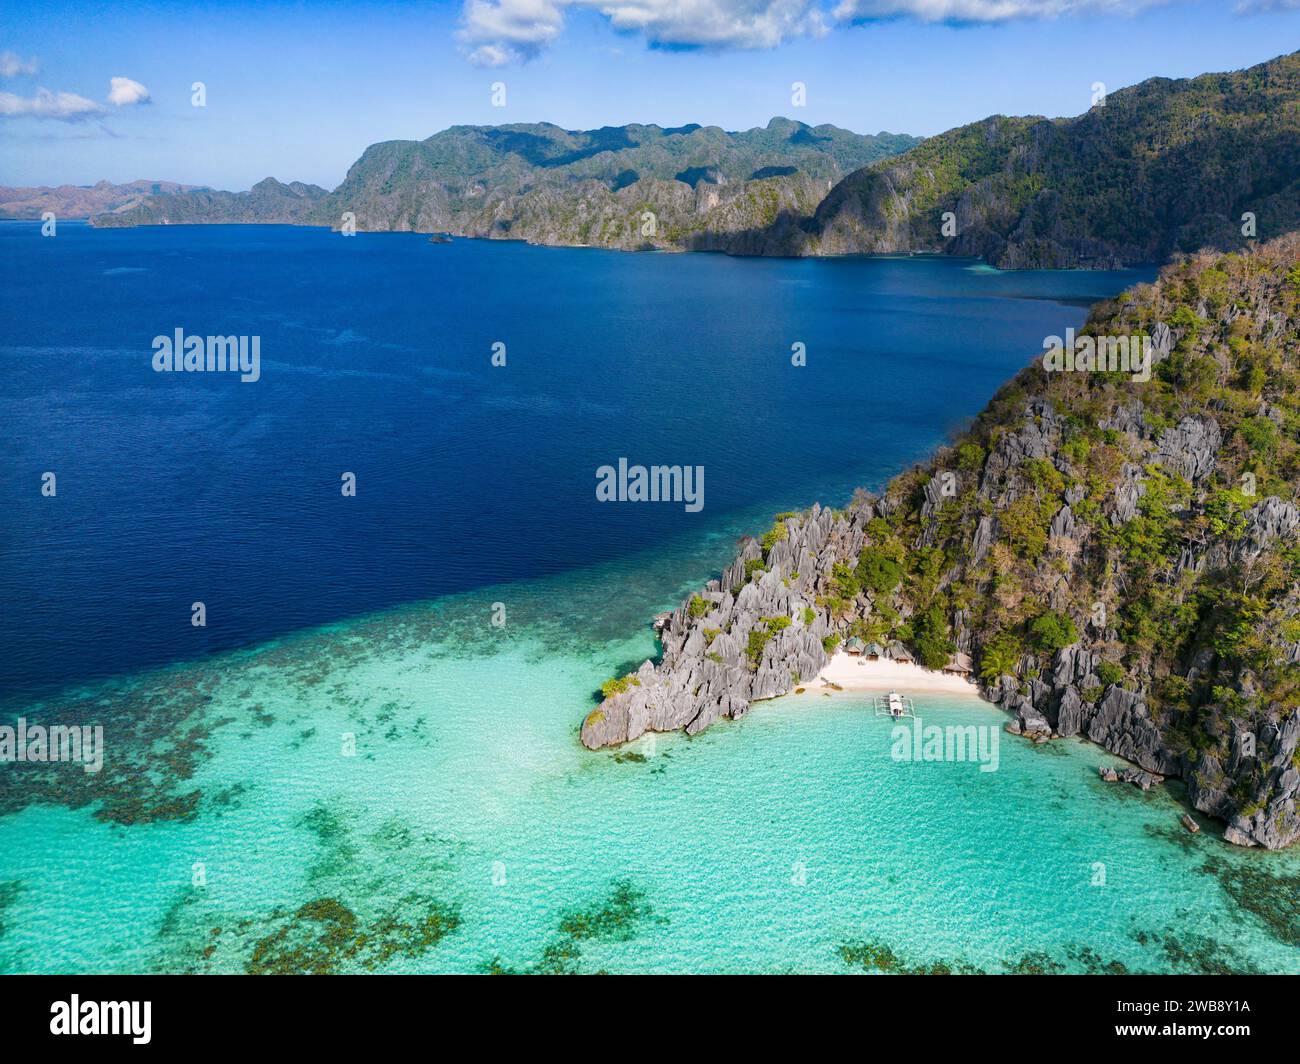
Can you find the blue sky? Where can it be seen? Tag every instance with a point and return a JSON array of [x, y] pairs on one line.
[[298, 90]]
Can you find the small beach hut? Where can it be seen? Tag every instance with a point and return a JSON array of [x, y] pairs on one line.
[[958, 665], [897, 652], [854, 646], [873, 652]]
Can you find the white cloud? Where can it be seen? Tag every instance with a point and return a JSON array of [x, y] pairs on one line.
[[68, 106], [64, 106], [13, 65], [983, 10], [509, 31], [714, 23], [493, 55], [497, 32], [123, 92]]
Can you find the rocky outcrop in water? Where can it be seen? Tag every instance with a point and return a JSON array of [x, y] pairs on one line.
[[754, 634]]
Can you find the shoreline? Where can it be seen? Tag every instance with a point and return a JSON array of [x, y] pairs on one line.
[[919, 253], [849, 672]]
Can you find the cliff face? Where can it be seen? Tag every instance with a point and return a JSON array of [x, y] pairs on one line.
[[1121, 558], [553, 186], [751, 635], [1159, 168], [587, 212]]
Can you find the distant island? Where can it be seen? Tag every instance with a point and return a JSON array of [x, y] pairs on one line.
[[269, 202], [82, 201], [1113, 557]]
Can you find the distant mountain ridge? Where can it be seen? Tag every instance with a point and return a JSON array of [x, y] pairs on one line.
[[1160, 168], [549, 185], [82, 201], [268, 202]]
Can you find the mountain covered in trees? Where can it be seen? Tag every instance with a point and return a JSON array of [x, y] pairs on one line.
[[620, 186], [1152, 170], [1119, 557]]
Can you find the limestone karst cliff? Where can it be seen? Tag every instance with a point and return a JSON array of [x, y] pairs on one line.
[[1120, 556]]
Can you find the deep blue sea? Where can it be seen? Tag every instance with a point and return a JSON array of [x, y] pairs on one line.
[[376, 360], [351, 768]]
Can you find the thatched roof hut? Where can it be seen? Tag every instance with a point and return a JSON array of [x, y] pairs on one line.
[[958, 665], [897, 652]]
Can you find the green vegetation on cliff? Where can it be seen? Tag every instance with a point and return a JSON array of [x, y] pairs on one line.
[[627, 187], [1114, 552], [1157, 168], [1130, 536], [1153, 170]]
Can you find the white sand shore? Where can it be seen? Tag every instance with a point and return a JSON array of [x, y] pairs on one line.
[[858, 674]]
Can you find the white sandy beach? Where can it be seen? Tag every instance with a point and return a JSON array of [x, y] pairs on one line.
[[858, 674]]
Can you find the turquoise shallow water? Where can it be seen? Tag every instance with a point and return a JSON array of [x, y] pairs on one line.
[[472, 830]]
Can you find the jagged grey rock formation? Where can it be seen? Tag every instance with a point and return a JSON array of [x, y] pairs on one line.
[[1190, 448], [710, 667], [708, 670]]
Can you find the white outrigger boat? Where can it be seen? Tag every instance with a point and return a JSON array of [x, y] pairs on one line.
[[895, 705]]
